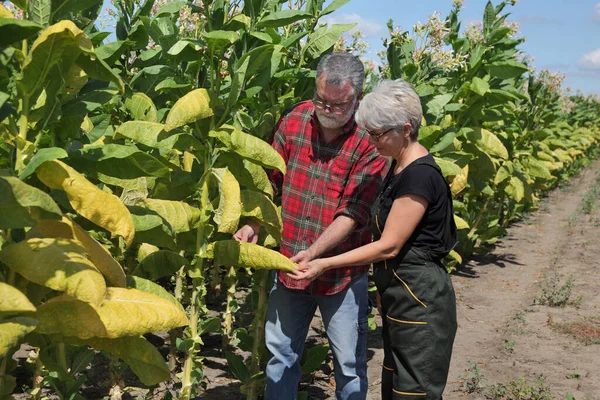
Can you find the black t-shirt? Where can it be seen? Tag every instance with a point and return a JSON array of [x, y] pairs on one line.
[[436, 233]]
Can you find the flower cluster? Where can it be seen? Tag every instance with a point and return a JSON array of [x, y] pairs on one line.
[[435, 29], [474, 33]]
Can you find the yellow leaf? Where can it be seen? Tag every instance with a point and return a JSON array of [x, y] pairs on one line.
[[103, 209], [101, 257], [487, 142], [142, 108], [261, 208], [248, 255], [13, 301], [250, 147], [460, 223], [145, 250], [227, 216], [124, 312], [12, 330], [180, 216], [59, 264], [193, 106], [460, 181]]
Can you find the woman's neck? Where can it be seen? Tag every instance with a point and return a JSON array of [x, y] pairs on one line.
[[408, 154]]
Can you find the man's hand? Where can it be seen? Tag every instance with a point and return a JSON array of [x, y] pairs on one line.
[[302, 258], [310, 271], [247, 233]]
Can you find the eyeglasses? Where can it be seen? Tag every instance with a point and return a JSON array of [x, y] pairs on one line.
[[339, 108], [377, 136]]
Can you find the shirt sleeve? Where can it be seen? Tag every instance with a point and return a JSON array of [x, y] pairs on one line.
[[362, 187], [419, 180], [279, 143]]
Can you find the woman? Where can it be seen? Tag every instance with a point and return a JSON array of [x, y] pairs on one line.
[[413, 228]]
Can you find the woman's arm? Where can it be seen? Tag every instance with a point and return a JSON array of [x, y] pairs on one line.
[[406, 213]]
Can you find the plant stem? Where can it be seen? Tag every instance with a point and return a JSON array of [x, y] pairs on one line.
[[62, 356], [2, 372], [228, 318], [258, 331]]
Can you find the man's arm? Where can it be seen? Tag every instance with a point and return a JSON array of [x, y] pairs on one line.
[[336, 233]]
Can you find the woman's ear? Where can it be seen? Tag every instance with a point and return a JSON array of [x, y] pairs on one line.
[[406, 131]]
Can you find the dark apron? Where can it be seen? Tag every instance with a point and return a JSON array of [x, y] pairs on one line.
[[419, 324]]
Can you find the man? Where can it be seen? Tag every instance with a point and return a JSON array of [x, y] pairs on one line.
[[332, 177]]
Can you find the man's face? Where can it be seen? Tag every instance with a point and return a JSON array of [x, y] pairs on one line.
[[334, 105]]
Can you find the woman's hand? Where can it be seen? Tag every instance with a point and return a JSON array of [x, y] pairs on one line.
[[309, 271], [379, 304]]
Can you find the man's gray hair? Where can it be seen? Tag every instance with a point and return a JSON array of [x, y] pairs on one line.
[[341, 67], [390, 106]]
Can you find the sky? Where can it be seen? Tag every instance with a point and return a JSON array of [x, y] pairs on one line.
[[561, 35]]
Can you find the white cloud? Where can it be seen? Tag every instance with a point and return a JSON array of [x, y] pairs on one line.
[[368, 28], [596, 16], [590, 60]]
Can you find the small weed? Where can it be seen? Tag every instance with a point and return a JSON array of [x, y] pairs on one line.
[[520, 315], [573, 218], [520, 390], [587, 332], [589, 200], [473, 381], [573, 376], [509, 345], [553, 293]]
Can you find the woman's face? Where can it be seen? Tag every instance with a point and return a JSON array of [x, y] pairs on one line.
[[389, 142]]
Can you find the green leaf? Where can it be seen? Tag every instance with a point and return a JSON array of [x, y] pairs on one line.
[[323, 39], [489, 16], [479, 86], [66, 267], [209, 325], [227, 216], [64, 8], [136, 282], [12, 331], [314, 357], [22, 205], [460, 223], [436, 105], [159, 264], [237, 82], [282, 18], [143, 358], [119, 161], [449, 168], [12, 301], [111, 52], [250, 147], [487, 142], [507, 69], [262, 209], [103, 209], [237, 366], [248, 255], [39, 11], [334, 5], [152, 228], [265, 37], [219, 41], [123, 312], [142, 108], [516, 189], [180, 216], [57, 44], [97, 68], [193, 106], [15, 30], [50, 153]]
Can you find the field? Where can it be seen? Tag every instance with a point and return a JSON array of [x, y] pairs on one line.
[[131, 152]]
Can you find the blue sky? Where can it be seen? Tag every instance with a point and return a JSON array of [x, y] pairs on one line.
[[561, 35]]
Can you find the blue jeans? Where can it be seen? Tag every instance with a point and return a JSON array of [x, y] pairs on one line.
[[345, 318]]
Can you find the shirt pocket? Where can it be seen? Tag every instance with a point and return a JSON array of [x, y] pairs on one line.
[[337, 178]]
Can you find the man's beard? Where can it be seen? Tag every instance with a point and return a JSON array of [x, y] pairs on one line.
[[331, 121]]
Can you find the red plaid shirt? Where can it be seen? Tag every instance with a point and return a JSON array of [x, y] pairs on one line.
[[323, 181]]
